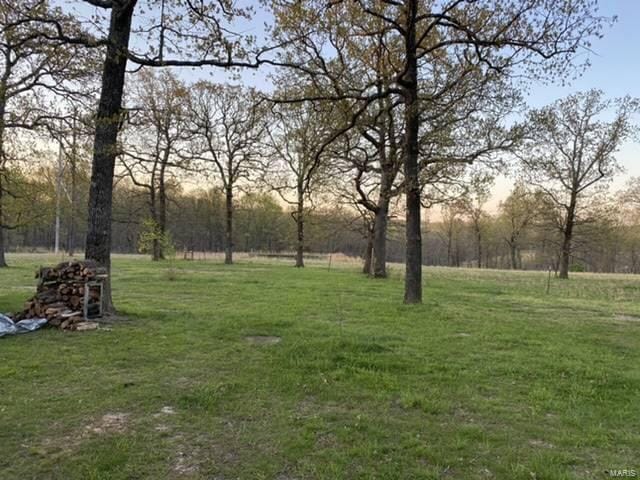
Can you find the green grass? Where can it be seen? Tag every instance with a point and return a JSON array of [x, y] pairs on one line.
[[490, 378]]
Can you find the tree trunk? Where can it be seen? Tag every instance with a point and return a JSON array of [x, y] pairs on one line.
[[565, 254], [162, 204], [3, 103], [513, 251], [98, 242], [380, 235], [56, 243], [3, 260], [71, 226], [479, 248], [368, 253], [389, 171], [228, 232], [413, 274], [153, 211], [300, 228]]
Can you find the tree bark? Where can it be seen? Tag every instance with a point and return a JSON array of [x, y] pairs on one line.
[[368, 253], [389, 171], [98, 242], [479, 247], [153, 211], [565, 254], [513, 251], [413, 274], [300, 228], [3, 260], [3, 85], [449, 246], [228, 232], [162, 204], [380, 239], [56, 245], [71, 226]]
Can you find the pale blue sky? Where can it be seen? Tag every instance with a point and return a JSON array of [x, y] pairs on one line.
[[615, 68]]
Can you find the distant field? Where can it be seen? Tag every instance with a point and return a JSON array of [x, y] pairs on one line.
[[490, 378]]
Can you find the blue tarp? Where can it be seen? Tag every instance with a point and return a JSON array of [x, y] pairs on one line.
[[8, 327]]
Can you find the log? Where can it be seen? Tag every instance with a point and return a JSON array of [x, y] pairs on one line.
[[60, 294]]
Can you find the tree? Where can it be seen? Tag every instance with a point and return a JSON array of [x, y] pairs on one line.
[[72, 136], [570, 154], [517, 213], [472, 205], [229, 124], [376, 175], [632, 192], [197, 33], [35, 69], [154, 144], [261, 223], [533, 38], [294, 137], [451, 226]]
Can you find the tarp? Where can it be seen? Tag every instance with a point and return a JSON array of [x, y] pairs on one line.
[[8, 327]]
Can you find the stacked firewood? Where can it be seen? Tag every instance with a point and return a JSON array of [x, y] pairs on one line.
[[61, 293]]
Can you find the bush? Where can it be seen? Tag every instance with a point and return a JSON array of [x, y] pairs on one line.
[[152, 235]]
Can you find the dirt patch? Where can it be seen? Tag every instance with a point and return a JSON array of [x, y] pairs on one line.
[[185, 464], [285, 476], [626, 318], [540, 444], [326, 440], [110, 423], [263, 339]]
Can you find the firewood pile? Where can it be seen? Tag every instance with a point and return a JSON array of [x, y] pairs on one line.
[[61, 294]]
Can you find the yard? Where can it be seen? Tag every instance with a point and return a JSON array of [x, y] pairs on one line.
[[264, 371]]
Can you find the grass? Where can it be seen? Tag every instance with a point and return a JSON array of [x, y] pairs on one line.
[[490, 378]]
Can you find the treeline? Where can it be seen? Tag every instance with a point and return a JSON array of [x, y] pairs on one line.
[[521, 234], [378, 116], [195, 223]]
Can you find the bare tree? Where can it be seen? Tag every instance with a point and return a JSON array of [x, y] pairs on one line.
[[173, 33], [155, 143], [451, 226], [472, 204], [229, 124], [571, 152], [294, 136], [518, 213]]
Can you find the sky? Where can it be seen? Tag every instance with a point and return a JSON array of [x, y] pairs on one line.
[[615, 69]]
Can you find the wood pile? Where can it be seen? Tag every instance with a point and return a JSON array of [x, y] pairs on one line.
[[61, 294]]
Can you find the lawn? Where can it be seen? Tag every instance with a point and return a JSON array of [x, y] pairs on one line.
[[490, 378]]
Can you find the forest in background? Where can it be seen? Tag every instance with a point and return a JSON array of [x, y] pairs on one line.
[[379, 135], [521, 234]]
